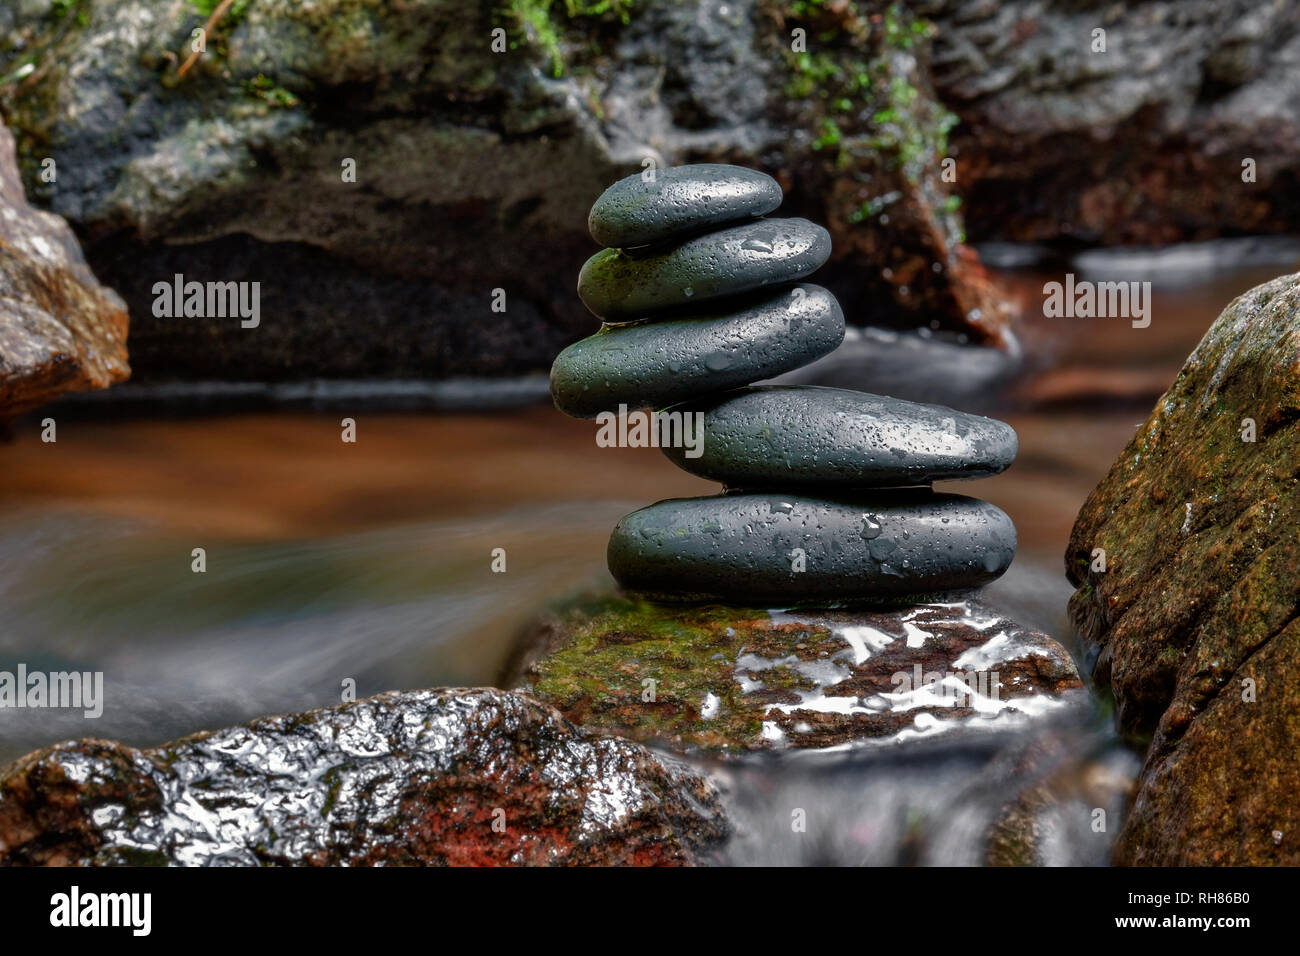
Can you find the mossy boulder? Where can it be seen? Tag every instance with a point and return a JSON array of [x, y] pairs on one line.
[[1193, 621], [720, 678]]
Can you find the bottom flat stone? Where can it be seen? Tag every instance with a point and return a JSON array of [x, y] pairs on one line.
[[791, 549]]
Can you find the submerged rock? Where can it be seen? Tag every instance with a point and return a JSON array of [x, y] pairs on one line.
[[739, 679], [421, 777], [1058, 781], [60, 330], [1193, 619]]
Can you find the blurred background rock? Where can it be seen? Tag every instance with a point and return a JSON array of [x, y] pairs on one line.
[[474, 169]]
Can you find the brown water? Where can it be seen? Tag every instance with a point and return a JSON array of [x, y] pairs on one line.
[[371, 561]]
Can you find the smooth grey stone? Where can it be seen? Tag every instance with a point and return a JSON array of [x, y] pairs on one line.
[[654, 364], [879, 545], [621, 288], [802, 436], [681, 199]]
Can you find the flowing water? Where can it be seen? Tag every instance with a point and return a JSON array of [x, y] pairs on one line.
[[371, 561]]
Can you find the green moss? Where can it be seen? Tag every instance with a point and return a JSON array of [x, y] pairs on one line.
[[785, 678], [902, 32], [267, 90], [851, 72], [873, 207], [614, 645], [830, 135], [534, 19], [810, 72], [74, 11], [334, 783], [237, 11]]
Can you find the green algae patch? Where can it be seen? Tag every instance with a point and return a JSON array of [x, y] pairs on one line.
[[670, 673], [550, 27]]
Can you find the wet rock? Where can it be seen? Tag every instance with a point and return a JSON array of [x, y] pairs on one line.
[[60, 330], [879, 166], [1192, 623], [790, 548], [402, 778], [747, 548], [677, 200], [1060, 781], [1058, 141], [620, 287], [655, 364], [818, 437], [737, 678]]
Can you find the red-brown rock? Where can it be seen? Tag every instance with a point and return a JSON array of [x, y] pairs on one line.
[[60, 330], [435, 777]]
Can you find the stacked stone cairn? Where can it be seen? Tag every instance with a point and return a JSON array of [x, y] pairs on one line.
[[827, 496]]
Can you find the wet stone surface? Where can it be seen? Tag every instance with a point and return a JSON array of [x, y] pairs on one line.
[[793, 436], [895, 543], [737, 678], [654, 364], [678, 200], [805, 542], [621, 288], [1193, 622], [60, 330], [401, 778]]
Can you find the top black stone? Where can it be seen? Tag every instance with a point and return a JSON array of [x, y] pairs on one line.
[[679, 200]]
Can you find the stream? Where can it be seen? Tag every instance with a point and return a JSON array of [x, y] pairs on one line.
[[371, 561]]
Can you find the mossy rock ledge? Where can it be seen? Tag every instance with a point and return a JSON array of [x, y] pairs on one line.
[[1193, 622], [728, 679]]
